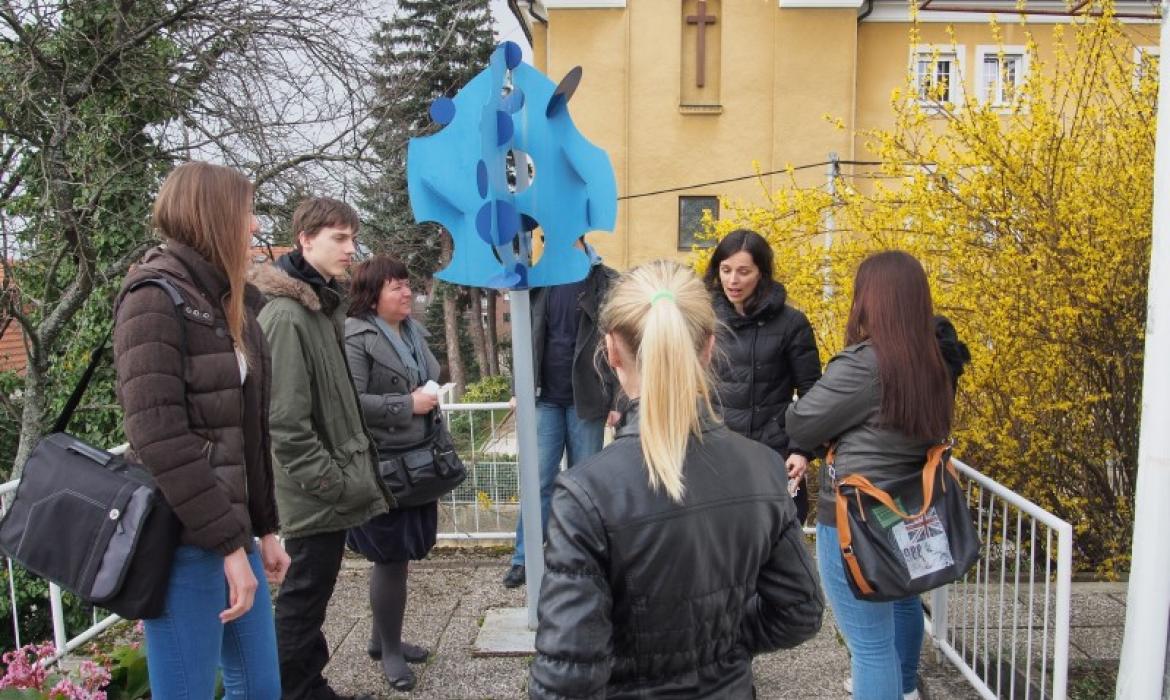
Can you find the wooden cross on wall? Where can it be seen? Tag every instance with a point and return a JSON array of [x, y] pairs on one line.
[[701, 20]]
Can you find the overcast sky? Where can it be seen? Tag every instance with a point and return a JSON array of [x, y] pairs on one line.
[[508, 28]]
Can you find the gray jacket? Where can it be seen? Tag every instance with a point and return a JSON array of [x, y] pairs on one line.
[[845, 406], [383, 385]]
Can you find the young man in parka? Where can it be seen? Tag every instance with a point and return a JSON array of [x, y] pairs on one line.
[[326, 467]]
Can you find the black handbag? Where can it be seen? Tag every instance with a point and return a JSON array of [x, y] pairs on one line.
[[912, 535], [425, 471], [92, 522]]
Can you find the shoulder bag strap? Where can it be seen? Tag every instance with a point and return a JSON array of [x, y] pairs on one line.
[[95, 357]]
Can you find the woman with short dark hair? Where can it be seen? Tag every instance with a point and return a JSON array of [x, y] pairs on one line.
[[884, 400], [767, 351], [390, 362]]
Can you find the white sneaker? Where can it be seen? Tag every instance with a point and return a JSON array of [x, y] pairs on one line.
[[848, 684], [912, 695]]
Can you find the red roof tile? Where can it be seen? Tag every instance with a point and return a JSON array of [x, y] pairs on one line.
[[12, 355]]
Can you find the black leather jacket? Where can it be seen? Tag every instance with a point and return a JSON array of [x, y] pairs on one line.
[[647, 598]]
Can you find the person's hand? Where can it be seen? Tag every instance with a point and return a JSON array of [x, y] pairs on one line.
[[424, 403], [797, 466], [276, 560], [613, 418], [241, 585]]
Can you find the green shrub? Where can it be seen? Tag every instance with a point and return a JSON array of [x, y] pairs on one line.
[[488, 390]]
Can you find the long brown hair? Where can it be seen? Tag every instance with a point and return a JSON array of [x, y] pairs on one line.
[[893, 310], [208, 207]]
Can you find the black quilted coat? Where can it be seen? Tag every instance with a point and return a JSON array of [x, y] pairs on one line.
[[763, 357]]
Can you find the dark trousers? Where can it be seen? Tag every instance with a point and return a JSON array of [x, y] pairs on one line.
[[300, 611], [802, 501]]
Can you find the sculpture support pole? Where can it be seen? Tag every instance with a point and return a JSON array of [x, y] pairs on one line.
[[524, 376]]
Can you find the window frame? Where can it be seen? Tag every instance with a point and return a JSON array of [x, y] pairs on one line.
[[692, 243], [1139, 53], [955, 90], [982, 53]]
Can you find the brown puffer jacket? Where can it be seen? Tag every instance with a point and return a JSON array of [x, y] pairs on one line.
[[188, 419]]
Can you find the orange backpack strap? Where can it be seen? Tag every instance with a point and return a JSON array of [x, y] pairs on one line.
[[845, 540], [864, 485]]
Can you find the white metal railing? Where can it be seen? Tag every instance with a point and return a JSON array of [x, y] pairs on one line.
[[486, 505], [1005, 626]]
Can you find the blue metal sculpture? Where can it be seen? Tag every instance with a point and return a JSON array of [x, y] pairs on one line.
[[509, 160]]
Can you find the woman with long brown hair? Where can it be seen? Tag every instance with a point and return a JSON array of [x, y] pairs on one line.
[[884, 400], [193, 382]]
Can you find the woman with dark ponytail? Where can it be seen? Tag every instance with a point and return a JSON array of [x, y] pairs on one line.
[[643, 596]]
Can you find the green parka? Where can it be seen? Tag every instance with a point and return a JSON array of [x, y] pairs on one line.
[[325, 463]]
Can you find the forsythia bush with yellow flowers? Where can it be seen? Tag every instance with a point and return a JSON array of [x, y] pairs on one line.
[[1034, 226]]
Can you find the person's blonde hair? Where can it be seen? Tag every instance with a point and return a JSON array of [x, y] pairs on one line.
[[208, 207], [661, 313]]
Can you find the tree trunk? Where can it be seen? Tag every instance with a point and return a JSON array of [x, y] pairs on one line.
[[493, 344], [475, 326], [32, 418], [451, 321], [451, 330]]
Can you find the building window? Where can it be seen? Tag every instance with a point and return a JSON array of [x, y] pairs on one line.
[[1145, 63], [690, 220], [938, 74], [1002, 72]]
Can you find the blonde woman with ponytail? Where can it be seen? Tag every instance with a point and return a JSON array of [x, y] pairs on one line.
[[673, 555], [194, 378]]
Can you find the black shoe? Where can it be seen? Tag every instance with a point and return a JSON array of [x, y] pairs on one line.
[[415, 654], [403, 684], [515, 576], [412, 653], [328, 693]]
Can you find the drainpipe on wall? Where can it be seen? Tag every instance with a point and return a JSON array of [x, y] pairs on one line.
[[865, 13]]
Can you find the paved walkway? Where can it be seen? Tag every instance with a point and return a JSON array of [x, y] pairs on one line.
[[451, 592]]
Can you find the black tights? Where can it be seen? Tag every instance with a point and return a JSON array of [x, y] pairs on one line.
[[388, 601]]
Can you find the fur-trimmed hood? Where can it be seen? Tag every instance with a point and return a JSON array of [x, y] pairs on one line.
[[275, 282]]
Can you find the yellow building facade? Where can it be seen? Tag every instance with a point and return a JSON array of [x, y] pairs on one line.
[[696, 93]]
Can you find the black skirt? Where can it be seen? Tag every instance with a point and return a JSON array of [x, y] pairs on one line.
[[399, 535]]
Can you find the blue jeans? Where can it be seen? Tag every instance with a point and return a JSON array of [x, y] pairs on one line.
[[558, 429], [881, 636], [186, 646]]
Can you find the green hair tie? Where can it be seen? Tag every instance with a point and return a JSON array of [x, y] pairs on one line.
[[660, 295]]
